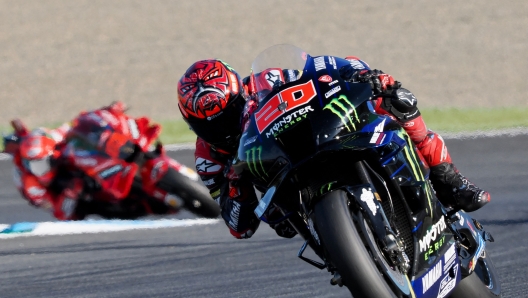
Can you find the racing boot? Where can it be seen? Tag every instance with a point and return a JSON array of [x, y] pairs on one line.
[[455, 190]]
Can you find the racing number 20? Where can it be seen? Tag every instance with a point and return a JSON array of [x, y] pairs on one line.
[[292, 98]]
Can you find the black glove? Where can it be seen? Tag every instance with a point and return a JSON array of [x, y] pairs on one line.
[[373, 76]]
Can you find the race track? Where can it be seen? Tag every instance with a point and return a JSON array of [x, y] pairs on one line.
[[205, 261]]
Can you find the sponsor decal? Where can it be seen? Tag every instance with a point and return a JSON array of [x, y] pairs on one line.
[[345, 110], [325, 79], [206, 166], [356, 64], [250, 140], [291, 75], [234, 83], [254, 161], [156, 170], [286, 100], [407, 97], [332, 62], [215, 194], [288, 120], [333, 91], [81, 152], [368, 197], [333, 83], [35, 191], [408, 124], [449, 258], [34, 152], [378, 135], [110, 171], [234, 215], [461, 220], [434, 247], [432, 234], [89, 162], [133, 128], [109, 117], [208, 182], [431, 277], [209, 118], [448, 283], [319, 63], [273, 76]]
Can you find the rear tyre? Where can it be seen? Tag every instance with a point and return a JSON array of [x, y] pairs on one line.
[[195, 196], [346, 250], [483, 282]]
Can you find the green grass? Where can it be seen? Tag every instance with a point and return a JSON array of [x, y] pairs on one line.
[[441, 120], [458, 120]]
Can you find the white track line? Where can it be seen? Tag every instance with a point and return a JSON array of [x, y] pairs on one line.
[[96, 226]]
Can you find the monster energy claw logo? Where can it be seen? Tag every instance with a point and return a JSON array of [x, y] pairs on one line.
[[254, 160], [343, 109]]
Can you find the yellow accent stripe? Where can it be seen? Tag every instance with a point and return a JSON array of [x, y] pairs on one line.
[[413, 160]]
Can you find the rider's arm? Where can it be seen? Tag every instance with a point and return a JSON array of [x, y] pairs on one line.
[[236, 196]]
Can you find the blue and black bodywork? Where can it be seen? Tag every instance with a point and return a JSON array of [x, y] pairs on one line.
[[334, 140]]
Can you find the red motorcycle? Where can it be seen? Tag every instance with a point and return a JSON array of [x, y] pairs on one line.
[[125, 173]]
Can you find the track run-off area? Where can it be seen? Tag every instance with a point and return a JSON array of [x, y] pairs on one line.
[[183, 256]]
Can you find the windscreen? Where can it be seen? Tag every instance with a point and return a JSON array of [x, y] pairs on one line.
[[276, 66]]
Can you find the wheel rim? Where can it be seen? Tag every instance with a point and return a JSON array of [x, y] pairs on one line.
[[398, 279]]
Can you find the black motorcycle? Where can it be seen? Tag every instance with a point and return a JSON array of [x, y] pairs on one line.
[[353, 185]]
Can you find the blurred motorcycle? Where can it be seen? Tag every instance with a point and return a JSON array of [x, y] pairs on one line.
[[118, 168]]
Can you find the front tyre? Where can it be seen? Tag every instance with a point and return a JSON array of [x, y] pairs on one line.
[[195, 196], [482, 282], [346, 250]]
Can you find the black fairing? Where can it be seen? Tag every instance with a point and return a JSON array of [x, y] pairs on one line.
[[310, 147]]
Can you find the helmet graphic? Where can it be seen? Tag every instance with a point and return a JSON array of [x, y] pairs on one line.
[[211, 99]]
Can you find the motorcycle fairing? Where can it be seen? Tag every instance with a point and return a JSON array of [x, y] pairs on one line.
[[466, 228], [441, 278], [340, 121]]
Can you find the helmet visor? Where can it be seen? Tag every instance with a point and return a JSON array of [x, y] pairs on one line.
[[221, 130], [38, 167]]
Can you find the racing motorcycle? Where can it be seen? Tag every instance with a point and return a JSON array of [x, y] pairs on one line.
[[353, 185], [124, 173]]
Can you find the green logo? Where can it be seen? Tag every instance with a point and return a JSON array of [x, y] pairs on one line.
[[344, 110], [253, 158]]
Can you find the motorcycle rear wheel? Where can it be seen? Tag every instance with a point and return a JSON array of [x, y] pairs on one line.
[[339, 234], [483, 282], [195, 196]]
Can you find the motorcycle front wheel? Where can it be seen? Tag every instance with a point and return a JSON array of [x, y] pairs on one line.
[[347, 251], [195, 196]]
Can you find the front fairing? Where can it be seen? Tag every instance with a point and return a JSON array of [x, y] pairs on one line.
[[313, 112]]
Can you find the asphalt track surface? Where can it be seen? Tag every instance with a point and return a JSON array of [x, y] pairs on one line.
[[205, 261]]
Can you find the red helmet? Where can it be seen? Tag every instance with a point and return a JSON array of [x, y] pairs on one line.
[[211, 98], [36, 151]]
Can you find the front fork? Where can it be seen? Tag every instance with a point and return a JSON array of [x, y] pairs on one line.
[[368, 200]]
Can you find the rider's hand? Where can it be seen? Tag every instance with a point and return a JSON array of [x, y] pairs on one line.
[[379, 81]]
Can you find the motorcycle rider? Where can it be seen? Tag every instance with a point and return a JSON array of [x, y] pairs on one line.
[[216, 103], [37, 153]]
